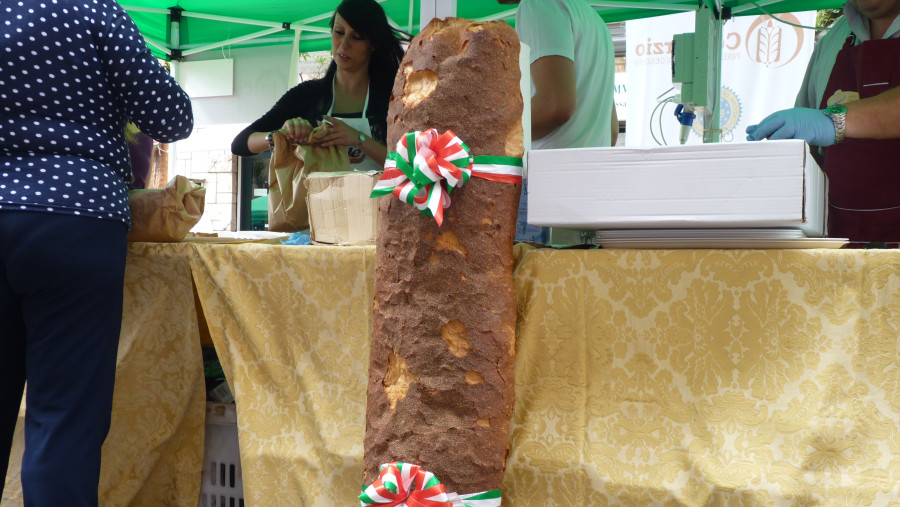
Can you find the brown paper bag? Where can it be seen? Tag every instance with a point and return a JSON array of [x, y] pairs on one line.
[[288, 168], [166, 214]]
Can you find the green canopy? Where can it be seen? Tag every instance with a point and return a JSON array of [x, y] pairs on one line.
[[176, 28]]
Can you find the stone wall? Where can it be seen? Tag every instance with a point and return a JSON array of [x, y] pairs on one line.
[[206, 158]]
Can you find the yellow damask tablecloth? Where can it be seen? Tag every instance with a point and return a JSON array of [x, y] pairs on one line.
[[703, 377], [291, 327], [692, 377], [153, 454], [707, 378]]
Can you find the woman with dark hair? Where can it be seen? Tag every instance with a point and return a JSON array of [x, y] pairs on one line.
[[353, 95]]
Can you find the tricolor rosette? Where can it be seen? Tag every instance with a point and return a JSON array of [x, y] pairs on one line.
[[427, 166], [407, 485]]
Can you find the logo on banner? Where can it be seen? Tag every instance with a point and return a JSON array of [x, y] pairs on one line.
[[658, 53], [772, 43], [729, 114]]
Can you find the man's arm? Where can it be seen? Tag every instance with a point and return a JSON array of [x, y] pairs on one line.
[[614, 127], [554, 100], [876, 117]]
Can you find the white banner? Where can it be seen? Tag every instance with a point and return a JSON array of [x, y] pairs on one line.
[[763, 62], [621, 96]]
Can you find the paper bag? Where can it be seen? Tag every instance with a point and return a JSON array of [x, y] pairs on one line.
[[288, 168], [166, 214]]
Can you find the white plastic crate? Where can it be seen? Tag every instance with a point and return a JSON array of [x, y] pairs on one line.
[[222, 485]]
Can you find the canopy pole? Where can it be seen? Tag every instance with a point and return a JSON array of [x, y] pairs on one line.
[[294, 74], [158, 45], [429, 9], [708, 42], [228, 19], [749, 6], [216, 45], [175, 35], [412, 5], [509, 14], [174, 70], [630, 4]]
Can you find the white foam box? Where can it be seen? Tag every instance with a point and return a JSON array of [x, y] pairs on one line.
[[762, 184], [340, 210]]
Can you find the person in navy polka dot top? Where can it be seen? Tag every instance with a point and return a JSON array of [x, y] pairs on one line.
[[71, 73]]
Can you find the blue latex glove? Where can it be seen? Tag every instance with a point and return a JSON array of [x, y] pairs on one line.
[[811, 125], [297, 238]]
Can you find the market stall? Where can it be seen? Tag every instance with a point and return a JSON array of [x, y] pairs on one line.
[[693, 376]]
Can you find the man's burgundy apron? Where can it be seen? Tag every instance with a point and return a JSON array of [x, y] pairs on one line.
[[864, 174]]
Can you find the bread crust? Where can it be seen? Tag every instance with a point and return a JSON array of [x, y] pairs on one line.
[[441, 381]]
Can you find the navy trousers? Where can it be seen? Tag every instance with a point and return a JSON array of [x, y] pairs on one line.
[[61, 281]]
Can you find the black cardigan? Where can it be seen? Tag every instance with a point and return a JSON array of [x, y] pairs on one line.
[[311, 100]]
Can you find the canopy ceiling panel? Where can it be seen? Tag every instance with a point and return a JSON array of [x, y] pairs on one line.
[[209, 24]]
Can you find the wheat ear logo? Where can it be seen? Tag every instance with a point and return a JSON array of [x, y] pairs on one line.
[[767, 39]]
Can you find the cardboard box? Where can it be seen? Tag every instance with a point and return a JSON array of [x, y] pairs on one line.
[[766, 184], [340, 210]]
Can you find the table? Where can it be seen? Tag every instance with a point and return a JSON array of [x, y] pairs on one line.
[[643, 377]]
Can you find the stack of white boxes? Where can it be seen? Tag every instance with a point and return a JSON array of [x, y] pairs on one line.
[[749, 191]]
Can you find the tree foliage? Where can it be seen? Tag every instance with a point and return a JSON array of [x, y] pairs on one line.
[[825, 18]]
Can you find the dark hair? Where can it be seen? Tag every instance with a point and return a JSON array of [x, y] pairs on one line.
[[369, 20]]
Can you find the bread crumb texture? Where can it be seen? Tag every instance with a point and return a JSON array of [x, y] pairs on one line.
[[397, 380]]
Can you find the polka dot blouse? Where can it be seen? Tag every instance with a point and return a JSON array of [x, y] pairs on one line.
[[71, 72]]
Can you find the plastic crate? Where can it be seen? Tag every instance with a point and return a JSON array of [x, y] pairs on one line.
[[222, 485]]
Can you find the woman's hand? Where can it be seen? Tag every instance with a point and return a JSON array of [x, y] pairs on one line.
[[297, 129], [341, 134]]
